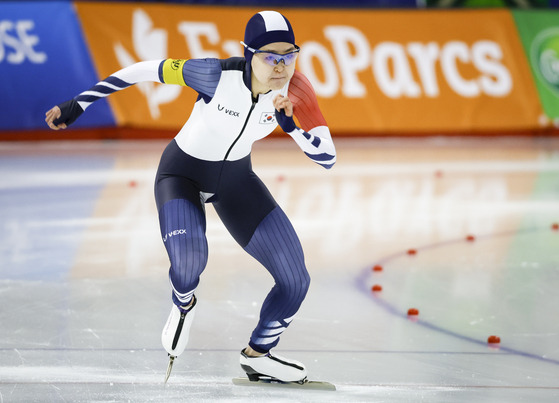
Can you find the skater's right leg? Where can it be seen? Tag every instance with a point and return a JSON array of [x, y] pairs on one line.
[[180, 182], [183, 227]]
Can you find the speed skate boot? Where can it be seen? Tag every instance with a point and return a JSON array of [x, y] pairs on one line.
[[175, 333], [275, 367]]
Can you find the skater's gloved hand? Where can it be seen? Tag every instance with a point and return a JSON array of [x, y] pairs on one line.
[[284, 113], [63, 115]]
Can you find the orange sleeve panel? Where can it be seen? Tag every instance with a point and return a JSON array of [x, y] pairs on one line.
[[305, 104]]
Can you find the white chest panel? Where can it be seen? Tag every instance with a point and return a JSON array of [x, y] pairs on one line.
[[228, 118]]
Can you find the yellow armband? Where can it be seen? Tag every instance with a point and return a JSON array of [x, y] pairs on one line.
[[172, 71]]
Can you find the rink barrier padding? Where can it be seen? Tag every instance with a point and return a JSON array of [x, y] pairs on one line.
[[44, 60]]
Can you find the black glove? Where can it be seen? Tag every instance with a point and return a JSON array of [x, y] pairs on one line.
[[70, 111], [286, 122]]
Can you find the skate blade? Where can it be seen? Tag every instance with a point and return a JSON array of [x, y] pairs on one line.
[[269, 382], [169, 368]]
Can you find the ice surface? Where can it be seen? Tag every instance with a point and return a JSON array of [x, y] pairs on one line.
[[84, 293]]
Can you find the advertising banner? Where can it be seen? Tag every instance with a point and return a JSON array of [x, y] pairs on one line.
[[539, 32], [43, 62], [380, 71]]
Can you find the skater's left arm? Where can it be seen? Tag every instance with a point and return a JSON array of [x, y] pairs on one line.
[[314, 137]]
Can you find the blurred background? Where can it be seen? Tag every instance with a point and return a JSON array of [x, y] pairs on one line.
[[379, 68]]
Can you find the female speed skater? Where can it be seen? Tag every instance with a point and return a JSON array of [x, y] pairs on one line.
[[240, 100]]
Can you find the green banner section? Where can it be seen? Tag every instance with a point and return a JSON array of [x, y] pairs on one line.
[[539, 32], [488, 3]]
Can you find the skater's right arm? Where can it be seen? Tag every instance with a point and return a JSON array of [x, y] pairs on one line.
[[199, 74]]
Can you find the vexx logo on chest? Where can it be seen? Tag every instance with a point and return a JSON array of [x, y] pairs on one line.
[[227, 111]]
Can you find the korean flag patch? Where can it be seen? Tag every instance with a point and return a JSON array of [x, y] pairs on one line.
[[267, 118]]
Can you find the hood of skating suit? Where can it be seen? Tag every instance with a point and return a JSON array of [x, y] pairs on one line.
[[263, 28]]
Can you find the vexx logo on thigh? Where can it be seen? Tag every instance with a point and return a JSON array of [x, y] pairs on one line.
[[174, 233]]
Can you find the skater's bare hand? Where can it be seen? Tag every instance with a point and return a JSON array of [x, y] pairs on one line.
[[281, 102], [53, 114]]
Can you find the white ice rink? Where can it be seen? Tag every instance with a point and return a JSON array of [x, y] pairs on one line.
[[84, 291]]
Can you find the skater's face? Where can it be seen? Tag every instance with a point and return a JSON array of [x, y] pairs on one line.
[[274, 64]]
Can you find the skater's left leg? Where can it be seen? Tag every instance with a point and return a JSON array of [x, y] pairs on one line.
[[264, 231], [260, 226], [276, 246]]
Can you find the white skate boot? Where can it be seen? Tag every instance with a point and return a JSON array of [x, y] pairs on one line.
[[274, 367], [175, 333]]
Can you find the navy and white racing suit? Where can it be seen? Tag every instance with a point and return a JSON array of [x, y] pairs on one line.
[[209, 162]]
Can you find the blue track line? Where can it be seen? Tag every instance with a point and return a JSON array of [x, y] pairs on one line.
[[362, 285]]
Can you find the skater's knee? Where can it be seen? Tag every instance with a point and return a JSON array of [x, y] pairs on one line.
[[305, 282], [296, 286], [187, 264], [188, 254]]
